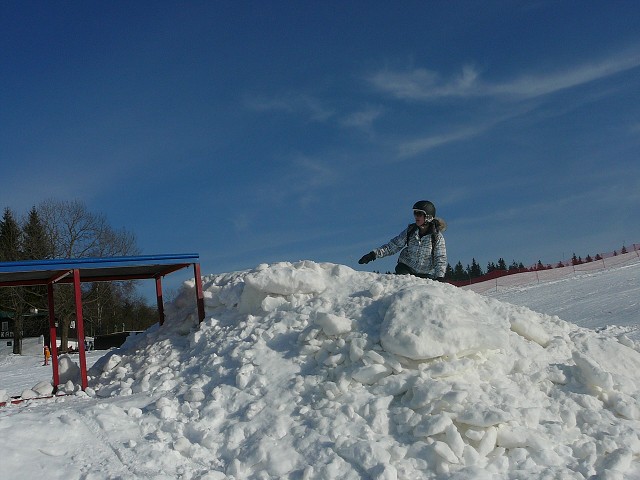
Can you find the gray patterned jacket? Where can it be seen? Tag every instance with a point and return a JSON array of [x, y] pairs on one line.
[[417, 253]]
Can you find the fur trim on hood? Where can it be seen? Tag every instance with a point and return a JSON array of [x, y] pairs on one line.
[[442, 225]]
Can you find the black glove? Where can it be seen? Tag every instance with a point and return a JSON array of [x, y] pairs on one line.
[[369, 257]]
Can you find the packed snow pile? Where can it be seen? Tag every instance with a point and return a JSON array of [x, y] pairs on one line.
[[311, 370]]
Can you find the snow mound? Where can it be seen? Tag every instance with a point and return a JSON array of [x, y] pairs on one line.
[[310, 370], [422, 323]]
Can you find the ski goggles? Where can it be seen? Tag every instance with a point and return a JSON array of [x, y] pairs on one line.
[[422, 213]]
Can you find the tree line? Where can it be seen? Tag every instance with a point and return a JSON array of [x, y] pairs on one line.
[[474, 270], [460, 273], [67, 229]]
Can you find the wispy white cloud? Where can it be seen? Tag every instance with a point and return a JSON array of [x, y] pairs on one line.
[[429, 141], [315, 110], [421, 85], [533, 86], [423, 144], [303, 104], [425, 85], [363, 119], [312, 173], [301, 185], [309, 176]]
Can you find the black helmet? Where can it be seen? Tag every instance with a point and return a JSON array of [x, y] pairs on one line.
[[425, 206]]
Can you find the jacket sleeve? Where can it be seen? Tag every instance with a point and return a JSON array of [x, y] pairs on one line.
[[393, 246], [440, 267]]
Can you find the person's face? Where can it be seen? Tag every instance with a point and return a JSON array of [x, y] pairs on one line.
[[421, 218]]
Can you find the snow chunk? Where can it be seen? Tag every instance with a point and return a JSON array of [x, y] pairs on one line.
[[287, 280], [479, 415], [113, 361], [528, 326], [370, 374], [365, 454], [376, 290], [432, 425], [28, 394], [194, 394], [618, 460], [68, 370], [333, 324], [592, 373], [43, 388], [444, 450], [424, 322], [616, 364]]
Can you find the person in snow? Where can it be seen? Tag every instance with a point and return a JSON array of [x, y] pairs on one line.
[[47, 355], [421, 245]]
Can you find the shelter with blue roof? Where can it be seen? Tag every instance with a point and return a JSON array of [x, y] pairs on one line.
[[105, 269]]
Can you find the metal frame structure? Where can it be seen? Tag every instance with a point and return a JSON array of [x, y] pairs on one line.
[[105, 269]]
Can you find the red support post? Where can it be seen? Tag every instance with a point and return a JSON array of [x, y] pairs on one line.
[[52, 335], [159, 298], [80, 328], [199, 294]]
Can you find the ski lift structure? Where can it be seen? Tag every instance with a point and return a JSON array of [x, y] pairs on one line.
[[103, 269]]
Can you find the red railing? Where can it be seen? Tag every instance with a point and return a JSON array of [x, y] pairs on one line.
[[599, 262]]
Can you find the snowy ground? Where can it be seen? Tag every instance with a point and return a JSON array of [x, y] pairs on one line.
[[594, 299], [22, 372], [317, 371]]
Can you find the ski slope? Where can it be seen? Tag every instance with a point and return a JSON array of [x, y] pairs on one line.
[[587, 295]]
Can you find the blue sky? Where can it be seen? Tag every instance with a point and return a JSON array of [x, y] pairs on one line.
[[255, 132]]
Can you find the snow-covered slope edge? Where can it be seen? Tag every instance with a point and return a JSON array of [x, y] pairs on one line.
[[313, 370]]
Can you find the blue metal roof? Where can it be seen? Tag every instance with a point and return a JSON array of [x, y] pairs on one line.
[[95, 269]]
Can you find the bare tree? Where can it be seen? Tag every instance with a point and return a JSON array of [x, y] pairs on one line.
[[74, 232]]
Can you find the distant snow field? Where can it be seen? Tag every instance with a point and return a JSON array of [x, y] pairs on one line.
[[317, 371]]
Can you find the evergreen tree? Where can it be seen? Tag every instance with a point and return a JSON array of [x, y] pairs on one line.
[[502, 265], [458, 272], [491, 267], [576, 260], [539, 265], [449, 272], [10, 238], [476, 270], [36, 246], [11, 299], [624, 250], [36, 241]]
